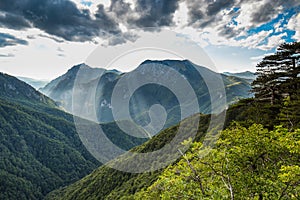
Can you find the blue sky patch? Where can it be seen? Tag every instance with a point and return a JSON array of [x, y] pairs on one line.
[[86, 3], [283, 20]]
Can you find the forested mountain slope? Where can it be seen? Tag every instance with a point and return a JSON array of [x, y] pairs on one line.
[[40, 149]]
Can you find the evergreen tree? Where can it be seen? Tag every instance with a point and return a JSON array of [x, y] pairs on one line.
[[289, 57], [289, 115], [278, 74]]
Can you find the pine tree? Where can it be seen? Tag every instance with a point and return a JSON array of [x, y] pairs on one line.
[[278, 84], [289, 54], [266, 86], [278, 74], [289, 115]]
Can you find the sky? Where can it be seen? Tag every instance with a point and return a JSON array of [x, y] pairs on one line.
[[42, 39]]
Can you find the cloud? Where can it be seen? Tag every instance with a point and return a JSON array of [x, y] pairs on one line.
[[120, 8], [60, 18], [248, 13], [223, 21], [265, 12], [10, 40], [13, 21], [254, 40], [237, 22], [203, 14], [155, 13], [61, 55], [215, 7], [293, 24], [9, 55], [270, 9], [56, 39], [146, 13], [122, 38], [256, 58], [60, 49], [274, 41]]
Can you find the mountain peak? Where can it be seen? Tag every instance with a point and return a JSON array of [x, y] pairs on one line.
[[75, 68], [167, 61]]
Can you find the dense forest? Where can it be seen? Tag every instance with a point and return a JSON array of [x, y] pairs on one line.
[[257, 155], [40, 150]]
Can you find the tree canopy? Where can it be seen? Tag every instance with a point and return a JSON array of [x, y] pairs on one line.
[[248, 163]]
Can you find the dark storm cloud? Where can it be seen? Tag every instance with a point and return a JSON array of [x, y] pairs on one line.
[[155, 13], [266, 12], [119, 8], [216, 6], [13, 21], [10, 40], [147, 13], [58, 17], [204, 13], [62, 20], [104, 21], [195, 15]]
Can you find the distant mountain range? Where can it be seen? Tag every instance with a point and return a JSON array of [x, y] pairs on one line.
[[61, 89], [247, 75], [37, 84]]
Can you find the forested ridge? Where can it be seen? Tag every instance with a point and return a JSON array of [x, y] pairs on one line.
[[40, 149], [39, 152]]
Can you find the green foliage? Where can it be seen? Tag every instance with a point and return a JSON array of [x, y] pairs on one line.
[[120, 138], [107, 183], [289, 115], [39, 151], [253, 158], [251, 163], [249, 111], [277, 88], [15, 90]]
